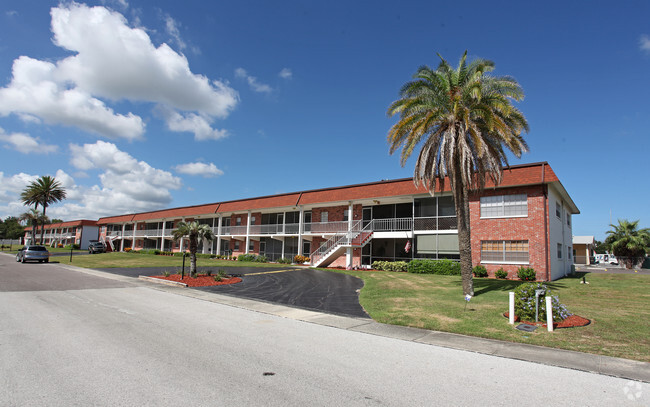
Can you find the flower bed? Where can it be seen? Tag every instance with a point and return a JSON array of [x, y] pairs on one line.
[[572, 321], [201, 280]]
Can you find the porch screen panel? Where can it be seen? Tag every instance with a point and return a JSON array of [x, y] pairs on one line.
[[426, 244], [448, 244]]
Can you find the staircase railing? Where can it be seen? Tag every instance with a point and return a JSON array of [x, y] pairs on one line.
[[341, 239]]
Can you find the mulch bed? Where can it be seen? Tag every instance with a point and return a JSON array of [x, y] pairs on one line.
[[201, 280], [573, 321]]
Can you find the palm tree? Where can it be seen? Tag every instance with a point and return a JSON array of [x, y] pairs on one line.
[[44, 191], [628, 242], [31, 217], [194, 231], [466, 121]]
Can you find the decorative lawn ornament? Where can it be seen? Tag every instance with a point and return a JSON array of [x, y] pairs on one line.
[[468, 298]]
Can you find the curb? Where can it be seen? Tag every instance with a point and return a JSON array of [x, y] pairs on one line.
[[161, 281]]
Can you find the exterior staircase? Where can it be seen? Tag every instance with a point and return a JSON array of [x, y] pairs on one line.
[[333, 248]]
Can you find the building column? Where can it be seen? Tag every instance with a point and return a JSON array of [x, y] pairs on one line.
[[248, 231], [135, 226], [301, 225], [122, 237], [162, 236], [219, 224], [180, 247], [349, 252]]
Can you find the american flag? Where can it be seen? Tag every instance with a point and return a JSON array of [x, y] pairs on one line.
[[408, 246]]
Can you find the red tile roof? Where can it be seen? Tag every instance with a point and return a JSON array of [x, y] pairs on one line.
[[516, 175]]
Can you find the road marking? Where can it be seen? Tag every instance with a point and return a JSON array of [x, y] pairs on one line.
[[268, 272]]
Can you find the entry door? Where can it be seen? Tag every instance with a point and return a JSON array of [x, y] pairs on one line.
[[367, 216]]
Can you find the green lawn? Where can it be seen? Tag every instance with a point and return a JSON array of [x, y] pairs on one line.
[[617, 305], [122, 259]]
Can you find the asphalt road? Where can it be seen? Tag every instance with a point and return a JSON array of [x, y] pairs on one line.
[[320, 290], [94, 343]]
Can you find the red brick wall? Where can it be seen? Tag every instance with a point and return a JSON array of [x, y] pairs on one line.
[[530, 228]]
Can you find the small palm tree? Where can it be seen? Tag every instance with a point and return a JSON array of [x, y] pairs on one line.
[[194, 231], [628, 243], [32, 217], [466, 121], [44, 191]]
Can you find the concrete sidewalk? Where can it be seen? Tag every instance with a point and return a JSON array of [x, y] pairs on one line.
[[617, 367]]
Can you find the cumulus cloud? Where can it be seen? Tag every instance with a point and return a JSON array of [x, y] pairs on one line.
[[26, 144], [644, 43], [254, 84], [112, 62], [286, 73], [199, 168], [200, 125]]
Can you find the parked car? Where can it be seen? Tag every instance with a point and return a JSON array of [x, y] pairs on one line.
[[33, 252], [96, 246]]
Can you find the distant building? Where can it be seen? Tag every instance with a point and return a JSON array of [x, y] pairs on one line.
[[79, 232], [524, 221], [583, 249]]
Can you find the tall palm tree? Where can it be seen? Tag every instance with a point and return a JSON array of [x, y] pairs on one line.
[[194, 231], [44, 191], [32, 217], [466, 121], [628, 242]]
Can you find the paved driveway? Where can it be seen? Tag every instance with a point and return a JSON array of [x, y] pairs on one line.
[[320, 290]]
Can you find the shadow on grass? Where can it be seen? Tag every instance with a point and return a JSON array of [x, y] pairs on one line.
[[486, 285]]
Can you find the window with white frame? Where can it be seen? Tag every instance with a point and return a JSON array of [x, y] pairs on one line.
[[238, 221], [236, 245], [504, 206], [324, 216], [568, 252], [346, 215], [504, 251], [559, 250], [568, 220], [252, 220], [251, 245], [558, 210]]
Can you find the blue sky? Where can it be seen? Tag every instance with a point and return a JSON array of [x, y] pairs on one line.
[[141, 105]]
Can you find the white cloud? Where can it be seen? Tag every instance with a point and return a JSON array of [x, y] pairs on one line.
[[252, 81], [644, 43], [26, 144], [198, 168], [286, 73], [193, 123], [112, 62], [172, 29]]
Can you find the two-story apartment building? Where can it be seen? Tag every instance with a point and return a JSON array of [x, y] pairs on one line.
[[524, 221], [79, 232]]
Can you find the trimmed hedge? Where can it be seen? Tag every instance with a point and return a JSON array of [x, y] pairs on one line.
[[443, 267], [501, 273], [390, 265], [527, 274]]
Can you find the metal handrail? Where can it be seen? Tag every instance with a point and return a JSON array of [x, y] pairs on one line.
[[341, 239]]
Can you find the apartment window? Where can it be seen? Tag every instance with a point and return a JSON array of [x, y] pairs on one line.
[[558, 210], [568, 220], [568, 252], [346, 215], [324, 216], [504, 251], [236, 245], [252, 220], [559, 250], [504, 206], [238, 221], [251, 246]]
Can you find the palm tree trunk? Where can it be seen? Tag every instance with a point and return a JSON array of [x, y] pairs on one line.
[[461, 202], [193, 247], [43, 223]]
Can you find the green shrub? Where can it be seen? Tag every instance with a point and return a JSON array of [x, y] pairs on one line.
[[221, 273], [501, 273], [203, 255], [233, 257], [166, 273], [261, 259], [217, 278], [525, 303], [426, 266], [480, 271], [284, 260], [526, 274], [73, 246], [390, 265], [208, 272], [246, 257]]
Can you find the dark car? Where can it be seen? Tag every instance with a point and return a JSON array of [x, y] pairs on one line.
[[96, 246], [33, 252]]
